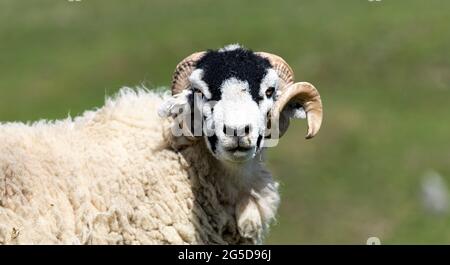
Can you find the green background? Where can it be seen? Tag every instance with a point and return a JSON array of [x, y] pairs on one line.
[[382, 69]]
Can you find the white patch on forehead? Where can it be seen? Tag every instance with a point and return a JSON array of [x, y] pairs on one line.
[[234, 89], [237, 107], [196, 81], [230, 47], [270, 80]]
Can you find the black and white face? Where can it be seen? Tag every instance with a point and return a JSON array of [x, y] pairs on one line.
[[228, 96], [234, 89]]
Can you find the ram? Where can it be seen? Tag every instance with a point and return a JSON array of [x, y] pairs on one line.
[[153, 168]]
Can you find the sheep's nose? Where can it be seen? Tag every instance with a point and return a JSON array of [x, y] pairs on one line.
[[235, 131]]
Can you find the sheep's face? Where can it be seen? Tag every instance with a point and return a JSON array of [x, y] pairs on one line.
[[228, 96], [233, 90]]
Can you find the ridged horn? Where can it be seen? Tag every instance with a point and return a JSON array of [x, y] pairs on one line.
[[302, 93], [182, 72], [307, 96]]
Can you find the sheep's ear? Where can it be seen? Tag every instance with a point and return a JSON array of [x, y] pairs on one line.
[[294, 111], [174, 105], [180, 107]]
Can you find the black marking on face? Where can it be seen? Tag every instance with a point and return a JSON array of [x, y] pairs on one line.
[[212, 142], [258, 142], [194, 113], [190, 99], [239, 63]]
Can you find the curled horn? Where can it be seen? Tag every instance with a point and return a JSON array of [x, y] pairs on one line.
[[291, 93], [182, 72], [180, 82]]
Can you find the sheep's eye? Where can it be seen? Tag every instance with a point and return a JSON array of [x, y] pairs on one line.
[[269, 91]]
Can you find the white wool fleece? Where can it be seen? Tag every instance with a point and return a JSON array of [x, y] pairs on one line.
[[116, 176]]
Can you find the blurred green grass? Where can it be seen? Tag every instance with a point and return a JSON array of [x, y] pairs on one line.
[[382, 69]]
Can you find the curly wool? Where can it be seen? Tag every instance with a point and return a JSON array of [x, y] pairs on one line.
[[112, 176]]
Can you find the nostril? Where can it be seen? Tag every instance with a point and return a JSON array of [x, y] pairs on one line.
[[247, 129], [232, 131]]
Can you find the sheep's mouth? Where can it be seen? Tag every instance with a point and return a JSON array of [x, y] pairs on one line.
[[239, 154], [242, 149]]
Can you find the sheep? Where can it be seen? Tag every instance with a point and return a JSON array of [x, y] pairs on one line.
[[150, 167]]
